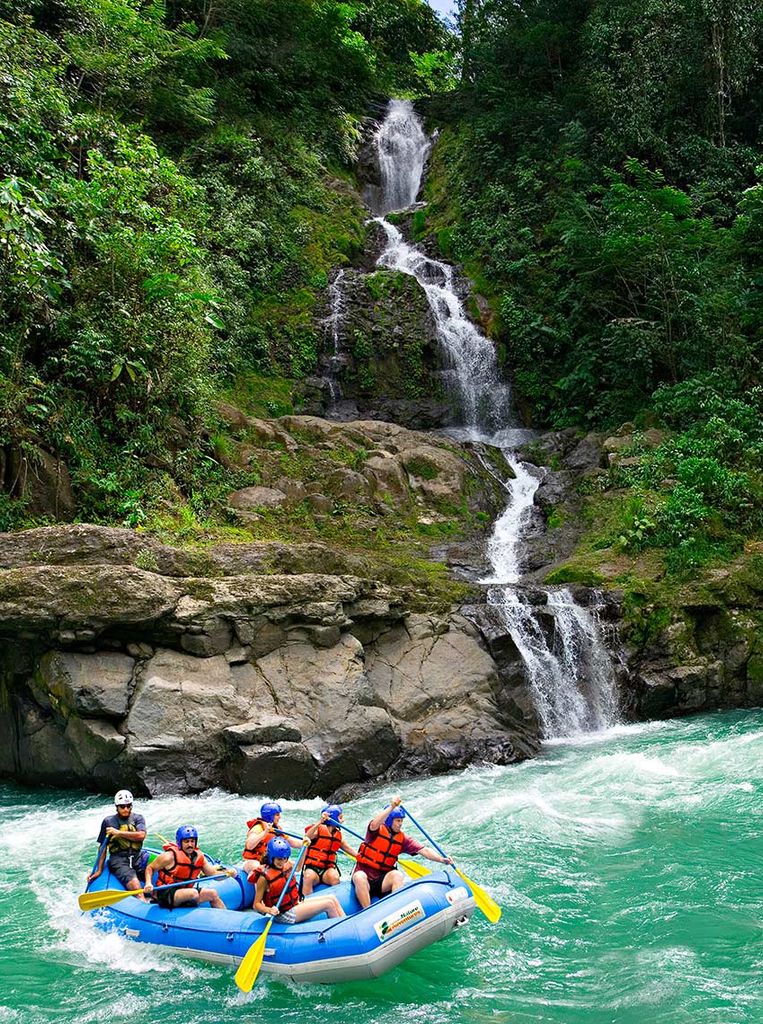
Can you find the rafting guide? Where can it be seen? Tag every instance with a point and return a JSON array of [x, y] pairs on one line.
[[122, 834]]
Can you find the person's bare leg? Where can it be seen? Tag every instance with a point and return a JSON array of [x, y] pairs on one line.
[[362, 889], [308, 881], [392, 881], [134, 885], [212, 897], [185, 898], [310, 908]]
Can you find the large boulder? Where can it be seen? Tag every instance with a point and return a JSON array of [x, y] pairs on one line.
[[89, 685]]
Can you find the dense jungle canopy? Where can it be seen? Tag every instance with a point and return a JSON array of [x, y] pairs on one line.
[[176, 183]]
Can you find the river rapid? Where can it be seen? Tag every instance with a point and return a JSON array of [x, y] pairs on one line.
[[627, 862]]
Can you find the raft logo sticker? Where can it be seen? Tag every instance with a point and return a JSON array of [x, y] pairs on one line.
[[399, 921]]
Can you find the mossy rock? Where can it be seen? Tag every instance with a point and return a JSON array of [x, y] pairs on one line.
[[581, 574]]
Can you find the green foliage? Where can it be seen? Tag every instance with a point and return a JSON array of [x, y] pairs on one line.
[[175, 192], [575, 574], [422, 468], [597, 167], [597, 175]]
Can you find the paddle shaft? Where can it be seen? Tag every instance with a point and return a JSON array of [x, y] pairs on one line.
[[178, 885], [336, 824], [249, 968], [425, 834], [105, 897], [485, 903]]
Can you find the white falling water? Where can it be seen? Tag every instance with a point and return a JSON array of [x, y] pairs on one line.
[[503, 546], [472, 369], [333, 324], [401, 150], [568, 669]]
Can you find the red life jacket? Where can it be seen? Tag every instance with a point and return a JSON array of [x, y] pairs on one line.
[[184, 869], [258, 853], [321, 853], [276, 881], [381, 852]]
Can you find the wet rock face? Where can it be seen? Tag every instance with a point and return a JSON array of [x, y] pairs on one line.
[[296, 684], [706, 657], [388, 363], [40, 479]]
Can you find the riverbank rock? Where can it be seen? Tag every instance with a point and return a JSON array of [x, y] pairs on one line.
[[258, 681], [326, 465]]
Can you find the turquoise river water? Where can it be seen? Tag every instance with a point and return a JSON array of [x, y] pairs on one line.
[[628, 865]]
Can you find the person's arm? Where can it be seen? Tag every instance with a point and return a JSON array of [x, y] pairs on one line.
[[259, 895], [216, 869], [348, 849], [253, 836], [376, 823], [312, 830], [124, 834], [433, 855], [162, 861], [99, 867]]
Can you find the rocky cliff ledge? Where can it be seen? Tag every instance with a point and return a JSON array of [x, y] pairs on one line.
[[271, 682]]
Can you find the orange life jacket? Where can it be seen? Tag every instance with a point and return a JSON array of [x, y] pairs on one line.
[[276, 882], [381, 852], [259, 851], [321, 853], [184, 869]]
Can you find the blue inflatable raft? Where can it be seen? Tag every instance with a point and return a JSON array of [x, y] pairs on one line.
[[363, 945]]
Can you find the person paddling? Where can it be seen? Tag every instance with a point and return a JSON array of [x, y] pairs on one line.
[[325, 841], [376, 871], [261, 830], [122, 834], [182, 861], [272, 878]]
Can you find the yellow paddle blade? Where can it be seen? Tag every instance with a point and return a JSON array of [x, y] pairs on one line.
[[412, 869], [104, 898], [485, 903], [249, 968]]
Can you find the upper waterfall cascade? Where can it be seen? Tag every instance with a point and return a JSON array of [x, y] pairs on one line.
[[568, 669], [401, 149]]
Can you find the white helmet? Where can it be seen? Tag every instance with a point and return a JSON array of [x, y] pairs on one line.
[[124, 796]]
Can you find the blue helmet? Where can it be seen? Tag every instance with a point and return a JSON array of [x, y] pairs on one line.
[[333, 810], [396, 812], [269, 810], [278, 847], [186, 832]]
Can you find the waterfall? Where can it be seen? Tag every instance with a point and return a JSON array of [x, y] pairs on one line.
[[333, 325], [401, 152], [567, 666], [503, 546], [472, 369]]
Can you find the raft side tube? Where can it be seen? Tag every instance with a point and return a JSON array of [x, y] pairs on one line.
[[363, 945]]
